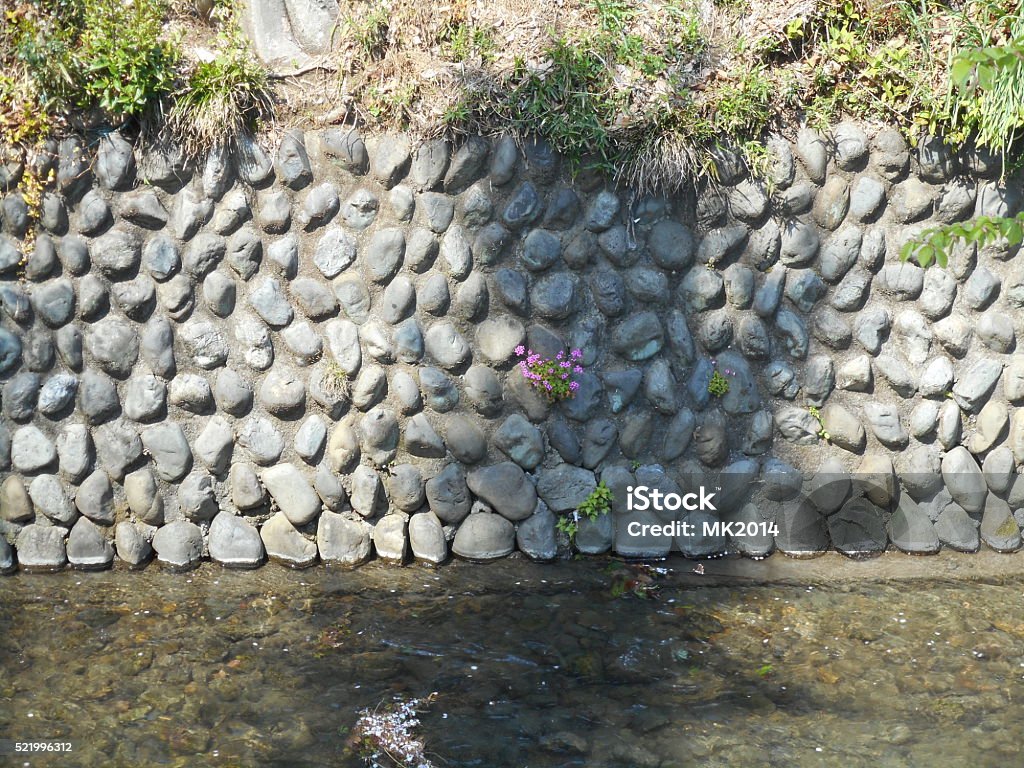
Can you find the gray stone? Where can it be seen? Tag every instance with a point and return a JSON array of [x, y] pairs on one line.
[[849, 294], [145, 398], [999, 470], [95, 498], [191, 392], [205, 343], [799, 244], [88, 548], [957, 530], [179, 544], [391, 160], [639, 337], [911, 201], [421, 439], [999, 530], [360, 209], [53, 301], [219, 293], [169, 448], [261, 439], [41, 548], [964, 479], [156, 347], [810, 149], [504, 487], [483, 389], [285, 544], [367, 495], [235, 542], [990, 428], [48, 498], [535, 536], [995, 331], [31, 450], [214, 444], [911, 531], [866, 198], [902, 280], [292, 493], [196, 497], [343, 541], [283, 392], [246, 490], [118, 447], [390, 537], [114, 346], [950, 424], [924, 419], [981, 288], [456, 253], [268, 299], [203, 254], [292, 162], [484, 536], [244, 252], [329, 488], [74, 451], [446, 345], [520, 441], [471, 300], [974, 387], [886, 424], [858, 529], [379, 431], [19, 396], [768, 296], [955, 334], [793, 333], [564, 487], [797, 426]]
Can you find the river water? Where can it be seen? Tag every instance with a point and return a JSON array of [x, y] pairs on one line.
[[532, 666]]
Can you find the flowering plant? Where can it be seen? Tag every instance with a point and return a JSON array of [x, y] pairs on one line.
[[554, 378]]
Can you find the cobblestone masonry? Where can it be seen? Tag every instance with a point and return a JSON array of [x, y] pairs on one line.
[[311, 354]]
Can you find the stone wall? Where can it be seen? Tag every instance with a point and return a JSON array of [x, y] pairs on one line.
[[311, 354]]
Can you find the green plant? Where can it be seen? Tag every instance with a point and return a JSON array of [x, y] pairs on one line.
[[718, 386], [224, 96], [822, 432], [935, 244], [369, 29], [598, 503], [990, 85], [125, 63], [554, 378]]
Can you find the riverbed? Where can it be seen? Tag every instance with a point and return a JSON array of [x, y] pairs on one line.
[[583, 663]]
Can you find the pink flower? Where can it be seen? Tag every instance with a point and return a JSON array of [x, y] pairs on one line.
[[520, 350]]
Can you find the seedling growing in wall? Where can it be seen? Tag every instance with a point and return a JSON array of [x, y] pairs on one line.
[[719, 385], [554, 378], [822, 432], [598, 503]]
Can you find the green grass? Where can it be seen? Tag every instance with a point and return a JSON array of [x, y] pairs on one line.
[[224, 97]]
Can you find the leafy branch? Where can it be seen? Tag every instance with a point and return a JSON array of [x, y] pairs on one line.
[[936, 244]]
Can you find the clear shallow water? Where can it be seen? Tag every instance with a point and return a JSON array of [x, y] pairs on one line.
[[534, 666]]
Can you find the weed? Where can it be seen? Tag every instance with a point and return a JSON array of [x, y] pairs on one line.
[[225, 96], [598, 503], [822, 432], [335, 379], [125, 64], [554, 378], [718, 386]]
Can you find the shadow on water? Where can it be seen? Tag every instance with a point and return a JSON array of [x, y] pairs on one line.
[[533, 666]]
